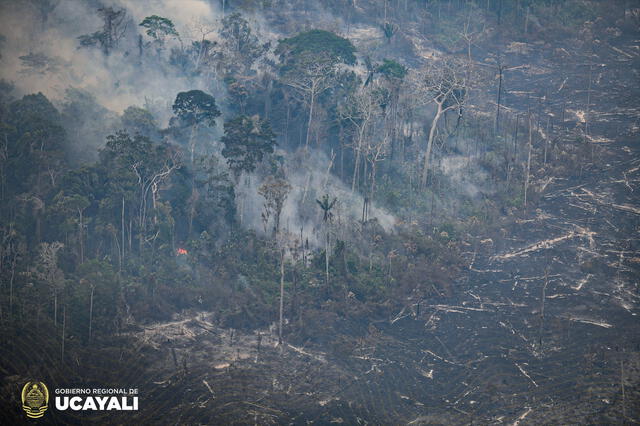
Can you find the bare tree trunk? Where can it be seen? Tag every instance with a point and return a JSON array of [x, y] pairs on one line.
[[281, 295], [544, 290], [546, 140], [117, 244], [64, 324], [90, 312], [515, 139], [311, 104], [326, 260], [11, 280], [500, 68], [427, 155], [286, 122], [624, 402], [81, 236], [356, 167], [373, 182], [364, 176], [192, 143], [526, 181], [587, 114], [122, 226]]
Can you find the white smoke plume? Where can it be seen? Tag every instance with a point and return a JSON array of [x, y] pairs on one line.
[[310, 179]]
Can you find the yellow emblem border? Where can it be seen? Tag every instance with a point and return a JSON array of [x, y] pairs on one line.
[[35, 413]]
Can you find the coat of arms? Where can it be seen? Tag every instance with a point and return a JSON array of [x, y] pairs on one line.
[[35, 399]]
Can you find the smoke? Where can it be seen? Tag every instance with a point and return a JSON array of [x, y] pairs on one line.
[[465, 175], [40, 53], [116, 81], [310, 178], [182, 12]]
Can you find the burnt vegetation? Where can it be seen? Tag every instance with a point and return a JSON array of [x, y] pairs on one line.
[[322, 187]]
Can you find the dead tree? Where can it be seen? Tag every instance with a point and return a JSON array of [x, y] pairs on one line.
[[376, 152], [47, 271], [64, 326], [275, 191], [442, 82], [281, 319], [528, 171], [314, 77], [542, 300], [359, 111], [150, 179], [91, 311]]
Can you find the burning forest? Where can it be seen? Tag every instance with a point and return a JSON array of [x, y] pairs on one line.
[[297, 212]]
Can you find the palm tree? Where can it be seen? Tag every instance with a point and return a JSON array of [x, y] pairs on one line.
[[326, 204], [389, 31]]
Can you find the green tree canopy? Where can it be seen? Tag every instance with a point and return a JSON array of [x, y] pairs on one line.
[[246, 141], [240, 44], [139, 120], [195, 107], [391, 69], [159, 28], [317, 42]]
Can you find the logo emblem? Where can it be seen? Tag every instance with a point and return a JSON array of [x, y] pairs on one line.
[[35, 399]]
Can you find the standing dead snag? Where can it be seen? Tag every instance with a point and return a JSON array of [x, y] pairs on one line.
[[360, 110], [315, 78], [47, 270], [64, 326], [444, 83], [500, 74], [542, 300], [91, 311], [528, 171], [375, 152], [281, 319], [275, 191]]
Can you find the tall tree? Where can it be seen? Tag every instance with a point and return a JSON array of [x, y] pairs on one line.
[[33, 146], [310, 61], [246, 141], [138, 162], [72, 208], [159, 29], [443, 83], [139, 120], [360, 110], [240, 46], [113, 29], [195, 108], [47, 271], [275, 191]]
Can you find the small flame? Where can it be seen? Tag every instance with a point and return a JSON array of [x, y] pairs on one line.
[[182, 251]]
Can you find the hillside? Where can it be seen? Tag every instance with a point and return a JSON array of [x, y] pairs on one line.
[[290, 212]]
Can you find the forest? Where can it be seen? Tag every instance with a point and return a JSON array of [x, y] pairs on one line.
[[341, 211]]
